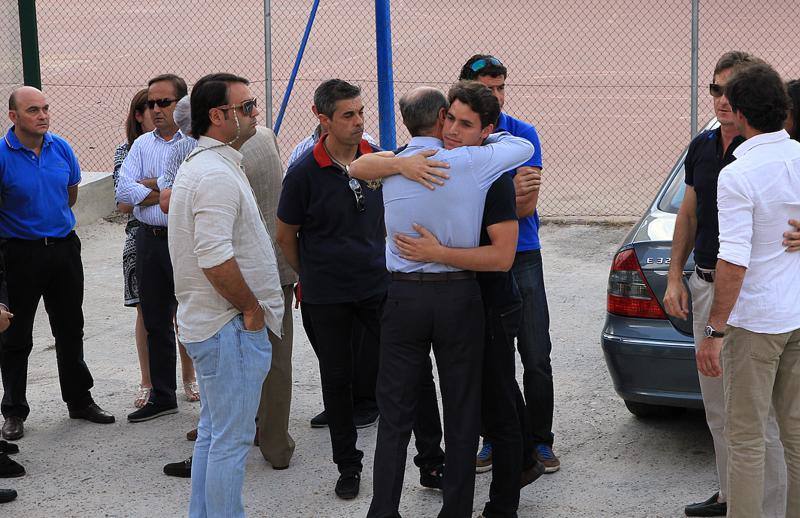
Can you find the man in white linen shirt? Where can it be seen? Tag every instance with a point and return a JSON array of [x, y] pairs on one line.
[[757, 291], [228, 287]]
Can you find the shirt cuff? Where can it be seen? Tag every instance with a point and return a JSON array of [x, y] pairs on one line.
[[137, 194], [215, 256], [734, 255]]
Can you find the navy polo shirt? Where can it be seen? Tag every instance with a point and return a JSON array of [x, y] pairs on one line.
[[529, 226], [342, 250], [33, 189], [704, 161]]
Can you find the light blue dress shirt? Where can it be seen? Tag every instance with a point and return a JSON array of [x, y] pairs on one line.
[[452, 212], [146, 159]]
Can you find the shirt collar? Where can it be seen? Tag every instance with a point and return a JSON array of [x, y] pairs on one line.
[[324, 159], [13, 142], [176, 137], [225, 150], [502, 122], [762, 138], [425, 141]]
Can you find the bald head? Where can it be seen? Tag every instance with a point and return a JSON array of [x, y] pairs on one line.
[[29, 112], [24, 94], [421, 109]]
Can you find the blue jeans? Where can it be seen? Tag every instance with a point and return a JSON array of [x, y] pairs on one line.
[[533, 343], [230, 367]]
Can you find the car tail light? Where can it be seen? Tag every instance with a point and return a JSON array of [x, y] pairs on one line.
[[628, 292]]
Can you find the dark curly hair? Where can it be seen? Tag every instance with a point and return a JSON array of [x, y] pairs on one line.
[[758, 92]]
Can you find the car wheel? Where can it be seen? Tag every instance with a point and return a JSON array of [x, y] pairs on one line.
[[645, 411]]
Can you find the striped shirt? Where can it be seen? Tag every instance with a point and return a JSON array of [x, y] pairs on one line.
[[176, 157], [146, 159]]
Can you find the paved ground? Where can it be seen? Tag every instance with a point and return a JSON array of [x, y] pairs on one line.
[[613, 464]]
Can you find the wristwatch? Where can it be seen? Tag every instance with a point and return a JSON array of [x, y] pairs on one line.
[[713, 333]]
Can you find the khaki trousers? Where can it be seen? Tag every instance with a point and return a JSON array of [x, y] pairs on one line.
[[275, 442], [760, 370], [774, 494]]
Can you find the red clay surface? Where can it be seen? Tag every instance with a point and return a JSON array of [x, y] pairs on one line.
[[606, 84]]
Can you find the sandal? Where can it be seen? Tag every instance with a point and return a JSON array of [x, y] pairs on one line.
[[192, 391], [142, 396]]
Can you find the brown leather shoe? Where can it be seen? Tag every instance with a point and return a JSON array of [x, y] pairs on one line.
[[13, 428]]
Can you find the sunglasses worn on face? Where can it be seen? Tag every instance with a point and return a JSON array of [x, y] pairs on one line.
[[716, 90], [247, 106], [162, 103], [485, 62], [359, 194]]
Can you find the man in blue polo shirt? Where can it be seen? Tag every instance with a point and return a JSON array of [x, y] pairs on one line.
[[39, 177], [533, 340]]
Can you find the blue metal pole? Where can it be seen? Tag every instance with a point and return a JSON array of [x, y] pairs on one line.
[[296, 68], [383, 30]]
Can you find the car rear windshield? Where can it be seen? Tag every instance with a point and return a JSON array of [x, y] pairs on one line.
[[673, 196]]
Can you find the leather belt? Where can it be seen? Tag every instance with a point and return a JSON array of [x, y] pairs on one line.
[[150, 229], [706, 275], [433, 277], [45, 241]]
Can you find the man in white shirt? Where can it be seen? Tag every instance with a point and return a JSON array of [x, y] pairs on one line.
[[757, 291], [228, 289]]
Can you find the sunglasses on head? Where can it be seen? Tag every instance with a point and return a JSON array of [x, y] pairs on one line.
[[247, 106], [485, 62], [358, 193], [162, 103], [716, 90]]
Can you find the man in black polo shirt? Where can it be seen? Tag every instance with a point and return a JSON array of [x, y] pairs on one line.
[[331, 231], [697, 225]]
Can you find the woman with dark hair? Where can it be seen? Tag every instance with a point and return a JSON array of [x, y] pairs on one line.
[[792, 124], [137, 124]]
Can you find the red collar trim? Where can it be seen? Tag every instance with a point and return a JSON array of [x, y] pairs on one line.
[[323, 158]]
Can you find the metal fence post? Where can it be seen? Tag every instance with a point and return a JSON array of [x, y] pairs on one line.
[[383, 30], [268, 62], [695, 49], [29, 37]]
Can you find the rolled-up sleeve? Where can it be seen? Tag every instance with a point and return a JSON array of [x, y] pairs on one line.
[[500, 153], [215, 207], [735, 219], [128, 189]]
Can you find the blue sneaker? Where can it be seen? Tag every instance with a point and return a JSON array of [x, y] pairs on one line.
[[483, 462], [546, 456]]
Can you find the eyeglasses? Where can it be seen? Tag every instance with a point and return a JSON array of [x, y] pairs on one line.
[[247, 106], [359, 194], [716, 90], [485, 62], [162, 103]]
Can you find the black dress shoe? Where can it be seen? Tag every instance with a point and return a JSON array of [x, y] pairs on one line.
[[9, 468], [7, 495], [348, 485], [151, 411], [93, 413], [320, 420], [710, 507], [8, 448], [528, 476], [365, 418], [13, 428], [432, 477], [179, 469]]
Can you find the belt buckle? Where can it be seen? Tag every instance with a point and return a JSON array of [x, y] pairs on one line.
[[47, 241]]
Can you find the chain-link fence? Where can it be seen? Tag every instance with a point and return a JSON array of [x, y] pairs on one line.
[[10, 47], [606, 85]]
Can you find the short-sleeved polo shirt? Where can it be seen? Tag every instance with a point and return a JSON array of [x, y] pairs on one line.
[[529, 226], [342, 255], [704, 161], [34, 202]]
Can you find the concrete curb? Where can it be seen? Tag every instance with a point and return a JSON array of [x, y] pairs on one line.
[[95, 198]]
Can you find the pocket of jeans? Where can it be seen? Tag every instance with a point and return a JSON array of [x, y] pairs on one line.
[[205, 356], [510, 318]]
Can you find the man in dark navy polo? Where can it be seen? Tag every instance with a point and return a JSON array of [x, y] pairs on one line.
[[331, 231], [533, 340], [39, 177]]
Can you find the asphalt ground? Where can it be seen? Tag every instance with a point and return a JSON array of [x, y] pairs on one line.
[[613, 464]]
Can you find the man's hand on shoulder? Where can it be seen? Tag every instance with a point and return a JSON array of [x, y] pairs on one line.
[[792, 239], [423, 249], [421, 169], [527, 180]]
